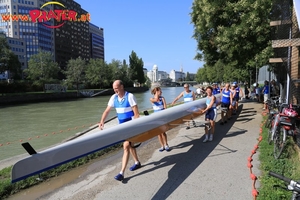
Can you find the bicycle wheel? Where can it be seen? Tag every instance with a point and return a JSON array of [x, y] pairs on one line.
[[269, 121], [270, 139], [279, 141], [295, 196]]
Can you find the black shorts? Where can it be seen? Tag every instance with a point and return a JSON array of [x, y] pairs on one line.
[[225, 105], [236, 99]]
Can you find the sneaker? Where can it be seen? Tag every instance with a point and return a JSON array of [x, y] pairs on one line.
[[205, 140], [161, 149], [119, 177], [210, 138], [187, 128], [135, 166], [167, 148]]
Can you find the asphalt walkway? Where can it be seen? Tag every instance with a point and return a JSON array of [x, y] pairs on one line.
[[191, 170]]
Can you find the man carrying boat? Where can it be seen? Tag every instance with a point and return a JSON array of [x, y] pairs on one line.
[[126, 108]]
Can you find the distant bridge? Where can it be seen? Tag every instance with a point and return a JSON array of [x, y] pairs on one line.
[[188, 82]]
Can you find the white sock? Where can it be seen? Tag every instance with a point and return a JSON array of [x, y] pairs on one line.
[[137, 162], [121, 173]]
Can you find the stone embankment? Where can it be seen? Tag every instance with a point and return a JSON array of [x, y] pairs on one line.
[[41, 97]]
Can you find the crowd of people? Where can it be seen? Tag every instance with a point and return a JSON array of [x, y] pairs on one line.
[[127, 109]]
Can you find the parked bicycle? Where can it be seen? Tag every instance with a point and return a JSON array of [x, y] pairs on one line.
[[292, 185], [286, 123]]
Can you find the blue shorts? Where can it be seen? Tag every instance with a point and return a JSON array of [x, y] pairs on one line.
[[211, 114], [124, 120]]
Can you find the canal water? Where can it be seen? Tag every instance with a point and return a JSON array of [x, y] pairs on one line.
[[48, 123]]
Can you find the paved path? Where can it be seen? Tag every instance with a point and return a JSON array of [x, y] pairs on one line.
[[192, 170]]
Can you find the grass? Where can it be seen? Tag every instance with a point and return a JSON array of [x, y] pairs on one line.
[[7, 188], [288, 165]]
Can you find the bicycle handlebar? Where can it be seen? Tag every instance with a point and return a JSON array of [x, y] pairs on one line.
[[285, 179]]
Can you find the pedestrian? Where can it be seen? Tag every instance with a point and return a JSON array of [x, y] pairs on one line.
[[257, 92], [266, 92], [232, 105], [226, 101], [198, 92], [188, 96], [126, 108], [210, 114], [158, 104]]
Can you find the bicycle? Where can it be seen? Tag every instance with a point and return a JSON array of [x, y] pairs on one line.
[[287, 123], [292, 185], [273, 105]]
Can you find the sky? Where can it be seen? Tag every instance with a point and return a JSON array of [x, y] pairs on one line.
[[158, 31]]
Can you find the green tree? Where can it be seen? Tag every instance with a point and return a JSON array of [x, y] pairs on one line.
[[96, 73], [75, 72], [188, 77], [8, 60], [42, 69], [234, 32], [136, 66]]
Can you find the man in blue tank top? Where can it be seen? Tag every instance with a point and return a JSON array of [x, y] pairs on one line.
[[266, 92], [188, 96], [126, 108]]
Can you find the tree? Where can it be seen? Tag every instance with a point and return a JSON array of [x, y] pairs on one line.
[[8, 60], [96, 73], [42, 69], [75, 71], [136, 66], [234, 32]]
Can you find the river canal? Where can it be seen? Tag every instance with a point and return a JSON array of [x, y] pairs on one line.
[[47, 123]]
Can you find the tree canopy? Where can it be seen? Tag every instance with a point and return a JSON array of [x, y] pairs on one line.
[[231, 35], [136, 66], [42, 69]]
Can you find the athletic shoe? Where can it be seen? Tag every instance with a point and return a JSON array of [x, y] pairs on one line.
[[167, 148], [135, 167], [161, 149], [119, 177], [210, 138], [205, 140], [187, 128]]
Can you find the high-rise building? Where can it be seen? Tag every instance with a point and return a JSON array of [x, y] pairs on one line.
[[66, 36], [97, 41], [72, 39]]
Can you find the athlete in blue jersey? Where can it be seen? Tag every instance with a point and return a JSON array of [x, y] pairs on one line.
[[188, 96], [216, 89], [238, 92], [158, 104], [126, 108], [226, 101], [210, 114]]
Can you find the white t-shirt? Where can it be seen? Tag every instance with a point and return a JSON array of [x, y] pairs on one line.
[[131, 99]]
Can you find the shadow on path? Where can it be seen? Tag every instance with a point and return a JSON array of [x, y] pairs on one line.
[[185, 163]]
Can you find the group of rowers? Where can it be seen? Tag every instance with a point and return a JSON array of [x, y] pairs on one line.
[[229, 104], [125, 105]]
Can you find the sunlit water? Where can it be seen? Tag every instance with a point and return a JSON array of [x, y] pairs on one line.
[[48, 123]]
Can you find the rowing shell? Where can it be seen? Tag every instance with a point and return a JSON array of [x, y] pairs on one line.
[[137, 130]]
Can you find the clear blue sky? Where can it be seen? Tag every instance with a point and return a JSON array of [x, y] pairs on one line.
[[159, 31]]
